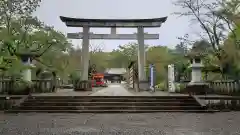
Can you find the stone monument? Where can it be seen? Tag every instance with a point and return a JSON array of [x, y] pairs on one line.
[[171, 78]]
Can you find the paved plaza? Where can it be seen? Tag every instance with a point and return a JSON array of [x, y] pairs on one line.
[[120, 124]]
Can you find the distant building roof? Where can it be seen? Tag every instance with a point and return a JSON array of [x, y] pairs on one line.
[[117, 71]]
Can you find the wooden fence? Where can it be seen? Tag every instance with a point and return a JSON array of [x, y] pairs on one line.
[[39, 86]]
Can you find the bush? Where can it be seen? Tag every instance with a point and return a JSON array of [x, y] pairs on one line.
[[21, 87], [179, 87], [161, 86]]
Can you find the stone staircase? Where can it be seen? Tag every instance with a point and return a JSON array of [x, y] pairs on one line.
[[108, 104]]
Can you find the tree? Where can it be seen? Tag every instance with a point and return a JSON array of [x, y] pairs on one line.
[[215, 23], [216, 19], [181, 48], [202, 46], [98, 58], [129, 50], [22, 33], [160, 57], [16, 20]]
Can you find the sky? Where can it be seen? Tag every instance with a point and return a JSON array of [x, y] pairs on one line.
[[50, 10]]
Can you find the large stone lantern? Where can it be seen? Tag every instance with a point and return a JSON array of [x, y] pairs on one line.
[[196, 65], [196, 85]]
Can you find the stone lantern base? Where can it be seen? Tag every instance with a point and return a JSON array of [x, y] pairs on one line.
[[83, 85], [197, 88]]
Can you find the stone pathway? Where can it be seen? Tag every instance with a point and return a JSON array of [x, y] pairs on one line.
[[120, 124], [113, 90]]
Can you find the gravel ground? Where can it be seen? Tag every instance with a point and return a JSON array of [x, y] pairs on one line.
[[121, 124]]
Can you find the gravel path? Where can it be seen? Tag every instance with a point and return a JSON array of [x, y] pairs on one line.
[[120, 124]]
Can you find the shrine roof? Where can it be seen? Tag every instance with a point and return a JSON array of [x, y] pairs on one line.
[[78, 22]]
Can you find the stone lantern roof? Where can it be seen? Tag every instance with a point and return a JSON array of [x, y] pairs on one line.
[[28, 54], [195, 54]]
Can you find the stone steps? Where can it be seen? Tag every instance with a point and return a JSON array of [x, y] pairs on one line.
[[110, 104], [112, 107], [110, 97], [109, 111], [111, 100]]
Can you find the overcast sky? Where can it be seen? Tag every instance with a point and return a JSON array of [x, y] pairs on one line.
[[50, 10]]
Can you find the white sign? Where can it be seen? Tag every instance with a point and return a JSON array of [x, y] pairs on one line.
[[171, 78], [113, 36]]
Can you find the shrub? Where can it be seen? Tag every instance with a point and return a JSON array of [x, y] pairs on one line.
[[21, 87], [179, 87], [161, 86]]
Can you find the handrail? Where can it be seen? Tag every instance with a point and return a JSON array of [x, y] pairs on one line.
[[201, 102]]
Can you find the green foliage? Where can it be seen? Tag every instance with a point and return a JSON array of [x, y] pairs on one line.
[[179, 87], [21, 87], [162, 86], [75, 76]]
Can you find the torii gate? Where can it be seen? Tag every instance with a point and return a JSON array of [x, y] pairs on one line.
[[140, 24]]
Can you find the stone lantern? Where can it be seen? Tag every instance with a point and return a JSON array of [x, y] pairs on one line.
[[196, 65], [27, 61], [196, 85]]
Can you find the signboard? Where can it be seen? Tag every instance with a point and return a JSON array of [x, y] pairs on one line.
[[113, 24], [113, 36]]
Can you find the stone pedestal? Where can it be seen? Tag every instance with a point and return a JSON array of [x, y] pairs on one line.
[[144, 85], [85, 85]]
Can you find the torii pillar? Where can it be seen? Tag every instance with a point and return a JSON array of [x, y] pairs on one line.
[[85, 53], [143, 83]]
